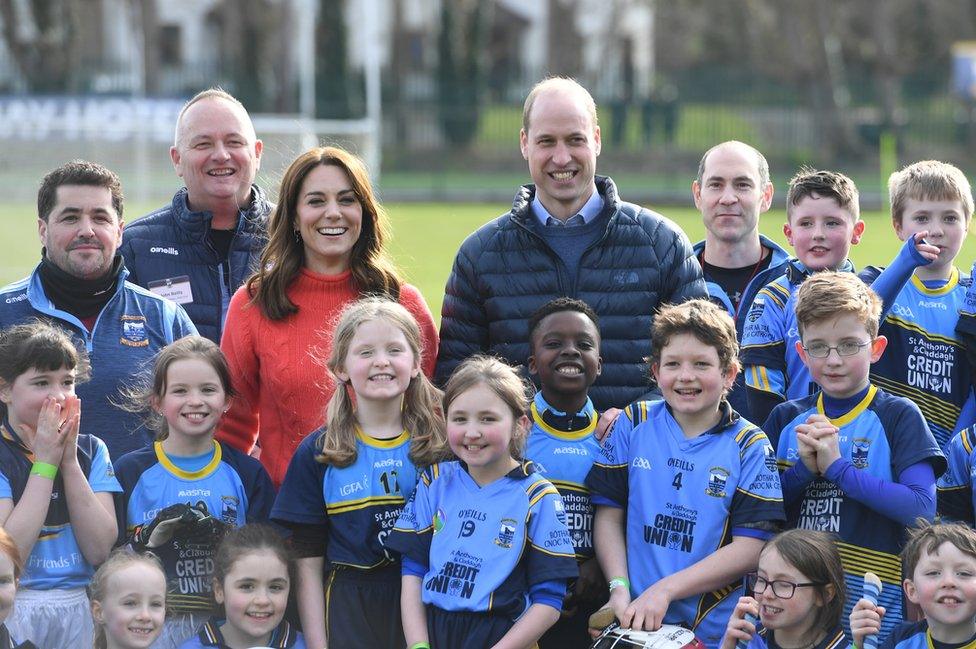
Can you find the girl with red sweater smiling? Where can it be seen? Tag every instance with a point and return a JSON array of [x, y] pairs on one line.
[[325, 250]]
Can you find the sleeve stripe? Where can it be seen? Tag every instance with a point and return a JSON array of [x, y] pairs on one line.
[[757, 496]]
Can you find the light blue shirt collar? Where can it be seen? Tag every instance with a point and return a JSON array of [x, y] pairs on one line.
[[590, 210]]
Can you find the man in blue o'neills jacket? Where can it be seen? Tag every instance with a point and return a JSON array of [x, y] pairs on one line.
[[80, 285], [201, 247], [567, 234]]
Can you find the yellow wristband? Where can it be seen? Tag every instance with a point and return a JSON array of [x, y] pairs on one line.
[[44, 470]]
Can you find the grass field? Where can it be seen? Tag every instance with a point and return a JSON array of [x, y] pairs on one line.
[[427, 235]]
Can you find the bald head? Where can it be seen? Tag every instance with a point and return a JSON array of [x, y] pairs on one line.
[[762, 167], [212, 95]]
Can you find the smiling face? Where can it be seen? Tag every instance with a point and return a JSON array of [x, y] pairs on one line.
[[26, 396], [134, 608], [380, 362], [787, 618], [82, 232], [944, 586], [254, 593], [193, 401], [329, 219], [821, 232], [216, 154], [692, 380], [946, 224], [566, 356], [480, 430], [561, 147], [731, 195], [840, 376]]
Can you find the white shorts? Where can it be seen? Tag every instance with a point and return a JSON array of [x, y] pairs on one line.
[[179, 628], [52, 619]]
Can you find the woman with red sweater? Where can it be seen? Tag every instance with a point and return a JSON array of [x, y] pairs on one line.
[[325, 250]]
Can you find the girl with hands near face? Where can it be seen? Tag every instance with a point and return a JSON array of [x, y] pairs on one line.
[[56, 485]]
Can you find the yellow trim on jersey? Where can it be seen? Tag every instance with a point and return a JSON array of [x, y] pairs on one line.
[[758, 497], [551, 553], [187, 475], [362, 503], [536, 497], [949, 285], [853, 413], [569, 486], [933, 408], [966, 442], [376, 442], [857, 560], [757, 437], [912, 326], [560, 434]]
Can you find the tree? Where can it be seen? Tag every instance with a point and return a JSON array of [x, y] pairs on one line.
[[42, 37], [461, 78]]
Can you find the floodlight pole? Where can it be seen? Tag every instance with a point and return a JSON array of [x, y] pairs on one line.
[[371, 63]]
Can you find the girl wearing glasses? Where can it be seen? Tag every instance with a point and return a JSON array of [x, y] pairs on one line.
[[797, 596]]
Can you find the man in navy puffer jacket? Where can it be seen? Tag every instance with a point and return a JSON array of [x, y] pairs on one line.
[[199, 249], [567, 234]]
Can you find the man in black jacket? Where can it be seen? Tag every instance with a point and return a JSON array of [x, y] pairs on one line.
[[567, 234]]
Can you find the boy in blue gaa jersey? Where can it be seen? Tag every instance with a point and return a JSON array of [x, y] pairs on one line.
[[822, 222], [855, 460], [955, 486], [686, 491], [925, 361], [486, 552], [941, 563], [564, 338]]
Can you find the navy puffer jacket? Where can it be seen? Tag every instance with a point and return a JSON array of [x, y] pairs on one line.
[[505, 271]]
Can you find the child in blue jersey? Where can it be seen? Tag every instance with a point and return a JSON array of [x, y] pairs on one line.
[[797, 596], [822, 223], [564, 339], [252, 579], [924, 360], [956, 498], [128, 600], [940, 564], [11, 565], [184, 491], [855, 460], [686, 491], [486, 551], [56, 485], [348, 482]]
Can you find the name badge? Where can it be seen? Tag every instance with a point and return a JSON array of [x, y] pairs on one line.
[[173, 288]]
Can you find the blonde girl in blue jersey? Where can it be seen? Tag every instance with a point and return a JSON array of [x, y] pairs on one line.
[[347, 482], [128, 600], [56, 485]]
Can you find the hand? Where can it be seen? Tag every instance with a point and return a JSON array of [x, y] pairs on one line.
[[808, 452], [647, 611], [823, 437], [605, 423], [161, 529], [865, 620], [71, 412], [739, 628], [47, 440], [614, 609], [929, 252]]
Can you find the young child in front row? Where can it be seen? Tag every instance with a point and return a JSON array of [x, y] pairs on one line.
[[348, 482], [184, 491], [940, 569], [925, 361], [564, 338], [797, 595], [128, 600], [822, 223], [686, 491], [252, 579], [56, 486], [11, 565], [486, 551], [855, 460]]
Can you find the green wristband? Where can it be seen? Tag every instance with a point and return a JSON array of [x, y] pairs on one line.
[[44, 470], [619, 581], [420, 645]]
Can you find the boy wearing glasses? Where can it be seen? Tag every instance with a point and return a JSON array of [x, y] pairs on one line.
[[854, 460], [686, 491]]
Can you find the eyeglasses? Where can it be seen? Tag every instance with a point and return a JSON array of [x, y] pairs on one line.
[[782, 589], [846, 348]]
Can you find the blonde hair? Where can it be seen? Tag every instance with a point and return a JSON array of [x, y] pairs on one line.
[[421, 415], [829, 294], [119, 560], [706, 321], [929, 180], [500, 379]]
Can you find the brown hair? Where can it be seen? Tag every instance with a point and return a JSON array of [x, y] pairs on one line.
[[928, 537], [500, 379], [929, 180], [284, 256], [704, 320], [421, 416], [824, 184], [119, 559], [816, 556], [253, 537], [78, 172], [564, 84], [829, 294]]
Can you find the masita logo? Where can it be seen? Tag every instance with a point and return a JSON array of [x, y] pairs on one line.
[[932, 304], [165, 251]]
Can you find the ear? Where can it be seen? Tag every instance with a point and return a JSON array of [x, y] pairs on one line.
[[96, 610], [522, 425], [802, 353], [829, 594], [767, 198], [530, 363], [696, 194], [910, 591], [524, 143], [788, 231], [877, 348], [599, 365], [597, 141], [655, 369], [341, 374], [899, 228], [41, 230], [415, 370], [5, 392], [730, 375], [258, 150], [174, 155], [218, 591], [858, 231], [154, 404]]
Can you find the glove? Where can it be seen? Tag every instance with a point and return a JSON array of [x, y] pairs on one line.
[[201, 527], [160, 530]]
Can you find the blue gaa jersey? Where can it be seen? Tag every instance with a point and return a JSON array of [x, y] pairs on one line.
[[484, 547], [924, 360], [883, 435], [56, 560], [834, 639], [684, 499], [955, 486], [284, 636], [916, 635], [235, 489], [563, 447], [359, 503]]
